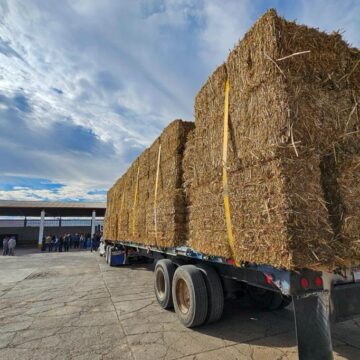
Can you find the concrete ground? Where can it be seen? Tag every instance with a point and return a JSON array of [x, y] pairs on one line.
[[74, 306]]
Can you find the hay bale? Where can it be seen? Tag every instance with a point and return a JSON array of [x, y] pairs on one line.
[[341, 173], [349, 171], [166, 229], [134, 221], [287, 113]]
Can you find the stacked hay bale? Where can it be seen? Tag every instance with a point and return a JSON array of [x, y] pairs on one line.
[[349, 189], [112, 214], [293, 99], [165, 208], [134, 212]]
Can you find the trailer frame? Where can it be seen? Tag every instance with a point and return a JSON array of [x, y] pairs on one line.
[[318, 298]]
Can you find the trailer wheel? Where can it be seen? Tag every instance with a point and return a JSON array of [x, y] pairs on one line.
[[264, 299], [190, 295], [215, 293], [164, 273]]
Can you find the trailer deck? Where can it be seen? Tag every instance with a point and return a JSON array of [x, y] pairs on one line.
[[318, 298]]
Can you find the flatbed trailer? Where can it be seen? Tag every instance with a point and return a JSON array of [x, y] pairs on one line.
[[196, 284]]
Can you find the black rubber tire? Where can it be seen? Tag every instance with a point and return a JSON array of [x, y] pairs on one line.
[[264, 299], [215, 293], [198, 297], [164, 268]]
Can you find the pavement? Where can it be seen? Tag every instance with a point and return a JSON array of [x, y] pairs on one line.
[[74, 306]]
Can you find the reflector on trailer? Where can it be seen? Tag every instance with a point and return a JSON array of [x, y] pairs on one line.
[[304, 282]]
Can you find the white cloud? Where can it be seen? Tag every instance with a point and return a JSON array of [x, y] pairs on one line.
[[122, 69], [73, 191]]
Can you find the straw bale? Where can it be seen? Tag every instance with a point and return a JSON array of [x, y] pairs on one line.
[[294, 95], [272, 210], [306, 100], [341, 173], [350, 194], [127, 221]]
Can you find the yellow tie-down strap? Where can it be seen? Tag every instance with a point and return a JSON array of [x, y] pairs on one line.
[[156, 190], [224, 173], [120, 212], [135, 200]]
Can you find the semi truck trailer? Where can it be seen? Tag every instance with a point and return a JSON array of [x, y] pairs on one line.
[[195, 285]]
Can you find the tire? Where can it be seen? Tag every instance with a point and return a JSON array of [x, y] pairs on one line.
[[190, 296], [264, 299], [163, 277], [215, 293]]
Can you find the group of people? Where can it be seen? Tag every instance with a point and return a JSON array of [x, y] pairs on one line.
[[58, 243], [65, 242], [9, 245]]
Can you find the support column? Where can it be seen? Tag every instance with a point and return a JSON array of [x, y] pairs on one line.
[[93, 218], [41, 228]]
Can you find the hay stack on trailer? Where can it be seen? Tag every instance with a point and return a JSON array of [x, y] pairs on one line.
[[146, 205], [293, 107]]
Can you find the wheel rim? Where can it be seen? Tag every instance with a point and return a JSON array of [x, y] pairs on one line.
[[182, 296], [160, 284]]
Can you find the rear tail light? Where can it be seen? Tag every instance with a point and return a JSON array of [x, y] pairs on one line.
[[304, 282], [230, 261], [269, 279], [318, 281]]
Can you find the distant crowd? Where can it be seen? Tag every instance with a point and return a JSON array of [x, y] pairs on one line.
[[65, 242], [9, 245], [58, 243]]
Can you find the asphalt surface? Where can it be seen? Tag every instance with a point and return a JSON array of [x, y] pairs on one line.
[[74, 306]]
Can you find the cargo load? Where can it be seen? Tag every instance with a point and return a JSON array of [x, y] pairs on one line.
[[270, 174], [293, 95], [146, 205]]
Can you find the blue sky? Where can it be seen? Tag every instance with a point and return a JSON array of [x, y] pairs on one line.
[[85, 86]]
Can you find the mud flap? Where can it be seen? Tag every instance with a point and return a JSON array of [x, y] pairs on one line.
[[312, 323]]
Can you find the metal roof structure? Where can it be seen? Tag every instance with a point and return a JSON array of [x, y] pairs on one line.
[[52, 208]]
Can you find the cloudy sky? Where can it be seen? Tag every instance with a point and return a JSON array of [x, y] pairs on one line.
[[86, 85]]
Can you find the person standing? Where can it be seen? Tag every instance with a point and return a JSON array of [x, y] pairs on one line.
[[61, 243], [56, 243], [12, 245], [48, 243], [77, 240], [82, 238], [92, 246], [5, 245], [43, 244], [53, 240], [66, 242]]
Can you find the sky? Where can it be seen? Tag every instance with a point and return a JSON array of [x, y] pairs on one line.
[[87, 85]]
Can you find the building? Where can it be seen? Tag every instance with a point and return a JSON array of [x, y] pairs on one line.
[[30, 221]]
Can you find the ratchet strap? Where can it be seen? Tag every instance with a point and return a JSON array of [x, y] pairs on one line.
[[224, 173], [120, 212], [156, 189], [135, 200]]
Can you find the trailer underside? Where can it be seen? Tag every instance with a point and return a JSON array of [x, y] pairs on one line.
[[318, 298]]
